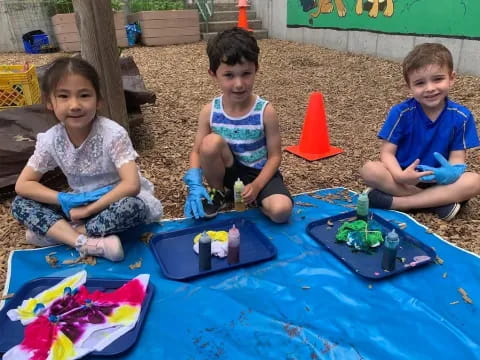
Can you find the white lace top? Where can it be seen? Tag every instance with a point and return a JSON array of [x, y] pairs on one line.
[[93, 164]]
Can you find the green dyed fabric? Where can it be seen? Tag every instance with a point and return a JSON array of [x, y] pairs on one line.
[[372, 238]]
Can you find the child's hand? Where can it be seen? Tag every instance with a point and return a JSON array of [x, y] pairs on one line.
[[68, 201], [79, 213], [196, 191], [445, 174], [250, 193], [410, 176]]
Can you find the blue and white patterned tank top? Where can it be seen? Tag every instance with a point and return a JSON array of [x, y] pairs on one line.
[[244, 135]]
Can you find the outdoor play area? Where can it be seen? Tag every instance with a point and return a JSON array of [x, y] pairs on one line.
[[303, 303]]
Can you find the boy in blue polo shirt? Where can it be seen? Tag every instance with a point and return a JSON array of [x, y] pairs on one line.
[[425, 138]]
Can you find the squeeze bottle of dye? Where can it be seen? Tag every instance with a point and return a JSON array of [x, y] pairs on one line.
[[362, 206], [237, 195], [205, 252], [390, 250], [233, 255]]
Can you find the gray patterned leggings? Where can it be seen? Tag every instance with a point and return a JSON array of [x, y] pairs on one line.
[[119, 216]]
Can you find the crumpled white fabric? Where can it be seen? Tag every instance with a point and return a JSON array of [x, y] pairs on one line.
[[219, 248]]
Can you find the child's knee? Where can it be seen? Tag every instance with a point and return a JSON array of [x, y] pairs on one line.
[[123, 214], [20, 205], [281, 216], [132, 206], [371, 170], [211, 144], [279, 211], [472, 181], [366, 169]]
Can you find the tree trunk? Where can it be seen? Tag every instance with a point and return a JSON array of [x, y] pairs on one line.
[[99, 47]]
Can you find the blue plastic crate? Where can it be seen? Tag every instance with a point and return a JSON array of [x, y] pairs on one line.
[[36, 44]]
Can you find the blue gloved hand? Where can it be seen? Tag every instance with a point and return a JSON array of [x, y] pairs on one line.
[[445, 174], [196, 191], [68, 201]]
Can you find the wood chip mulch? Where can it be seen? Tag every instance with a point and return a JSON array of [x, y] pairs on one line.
[[358, 91]]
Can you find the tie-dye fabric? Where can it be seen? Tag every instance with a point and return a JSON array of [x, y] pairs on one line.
[[245, 136], [66, 321]]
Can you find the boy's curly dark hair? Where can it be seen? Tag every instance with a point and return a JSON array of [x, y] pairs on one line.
[[232, 46], [426, 54]]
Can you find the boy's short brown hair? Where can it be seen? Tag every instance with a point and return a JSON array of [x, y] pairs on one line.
[[426, 54], [232, 46]]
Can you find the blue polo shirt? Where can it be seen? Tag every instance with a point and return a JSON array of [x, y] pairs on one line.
[[417, 137]]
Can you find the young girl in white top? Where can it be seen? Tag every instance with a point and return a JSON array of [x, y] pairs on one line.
[[98, 160]]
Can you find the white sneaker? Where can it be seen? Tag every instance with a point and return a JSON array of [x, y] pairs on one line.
[[108, 247]]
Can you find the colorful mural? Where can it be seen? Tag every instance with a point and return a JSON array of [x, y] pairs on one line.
[[446, 18]]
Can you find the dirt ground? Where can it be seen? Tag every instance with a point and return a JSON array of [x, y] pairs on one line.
[[358, 92]]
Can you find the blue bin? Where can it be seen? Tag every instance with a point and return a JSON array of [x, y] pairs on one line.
[[133, 32], [35, 41]]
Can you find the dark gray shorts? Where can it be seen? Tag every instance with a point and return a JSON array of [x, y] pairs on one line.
[[248, 174]]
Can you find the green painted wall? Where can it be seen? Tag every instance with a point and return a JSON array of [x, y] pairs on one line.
[[449, 18]]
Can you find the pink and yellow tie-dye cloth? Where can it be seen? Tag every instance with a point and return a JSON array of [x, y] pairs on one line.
[[67, 321]]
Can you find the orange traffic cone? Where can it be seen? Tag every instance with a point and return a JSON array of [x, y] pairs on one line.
[[242, 15], [314, 141]]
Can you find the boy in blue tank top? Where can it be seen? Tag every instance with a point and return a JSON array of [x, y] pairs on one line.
[[425, 138], [238, 136]]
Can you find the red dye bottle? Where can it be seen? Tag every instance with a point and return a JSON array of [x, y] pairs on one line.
[[233, 256]]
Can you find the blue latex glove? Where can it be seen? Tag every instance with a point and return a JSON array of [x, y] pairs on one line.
[[445, 174], [68, 201], [196, 191]]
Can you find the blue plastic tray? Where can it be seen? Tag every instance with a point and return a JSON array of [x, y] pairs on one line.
[[362, 263], [11, 332], [174, 250]]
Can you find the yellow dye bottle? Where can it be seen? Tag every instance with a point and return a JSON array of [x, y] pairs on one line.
[[237, 195]]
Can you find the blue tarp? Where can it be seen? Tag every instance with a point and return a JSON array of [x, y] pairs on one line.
[[304, 304]]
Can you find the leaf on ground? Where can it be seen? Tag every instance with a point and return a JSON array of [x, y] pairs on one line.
[[465, 296], [136, 265], [304, 204], [146, 237], [71, 261], [89, 260], [51, 260]]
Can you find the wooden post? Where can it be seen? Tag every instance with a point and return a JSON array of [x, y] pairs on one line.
[[99, 47]]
